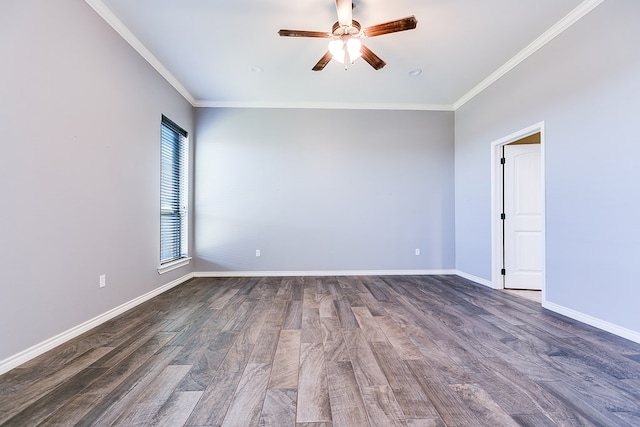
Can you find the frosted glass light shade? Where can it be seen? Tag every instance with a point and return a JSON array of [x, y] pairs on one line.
[[337, 49], [353, 47]]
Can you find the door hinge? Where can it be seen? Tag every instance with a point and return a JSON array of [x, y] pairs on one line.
[[503, 216], [503, 161], [503, 272]]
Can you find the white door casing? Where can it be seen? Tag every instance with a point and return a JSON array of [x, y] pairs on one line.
[[523, 223]]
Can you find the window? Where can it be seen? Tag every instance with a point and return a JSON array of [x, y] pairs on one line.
[[174, 178]]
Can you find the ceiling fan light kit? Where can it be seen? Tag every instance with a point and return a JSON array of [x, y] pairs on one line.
[[345, 44]]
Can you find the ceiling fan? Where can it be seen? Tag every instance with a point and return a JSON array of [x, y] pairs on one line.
[[345, 43]]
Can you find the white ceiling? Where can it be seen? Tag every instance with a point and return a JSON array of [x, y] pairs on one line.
[[208, 49]]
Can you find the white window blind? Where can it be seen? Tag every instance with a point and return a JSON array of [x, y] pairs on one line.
[[173, 192]]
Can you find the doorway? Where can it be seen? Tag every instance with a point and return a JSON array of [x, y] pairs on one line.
[[518, 210]]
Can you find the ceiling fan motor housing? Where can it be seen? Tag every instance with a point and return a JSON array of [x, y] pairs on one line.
[[340, 30]]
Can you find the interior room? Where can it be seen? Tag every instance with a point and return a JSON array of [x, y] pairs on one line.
[[381, 178]]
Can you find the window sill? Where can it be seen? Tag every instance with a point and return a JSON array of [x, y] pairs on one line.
[[164, 268]]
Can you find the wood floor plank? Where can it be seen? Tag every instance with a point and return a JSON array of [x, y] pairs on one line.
[[573, 328], [221, 300], [313, 393], [368, 324], [326, 306], [612, 364], [398, 338], [101, 392], [277, 313], [240, 316], [279, 408], [365, 365], [249, 397], [193, 325], [127, 391], [425, 422], [405, 386], [333, 343], [562, 358], [582, 405], [631, 418], [322, 286], [449, 369], [381, 406], [204, 368], [347, 319], [138, 338], [153, 397], [533, 421], [180, 316], [314, 424], [351, 284], [449, 405], [375, 307], [176, 409], [41, 408], [296, 289], [293, 316], [311, 330], [376, 288], [347, 407], [22, 377], [335, 290], [310, 297], [284, 373], [194, 348], [265, 347], [483, 406], [218, 395], [12, 405], [71, 412], [283, 288], [257, 320], [248, 284]]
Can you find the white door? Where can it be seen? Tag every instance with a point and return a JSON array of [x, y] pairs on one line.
[[523, 250]]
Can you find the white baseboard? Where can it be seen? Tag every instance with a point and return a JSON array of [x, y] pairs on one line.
[[593, 321], [38, 349], [476, 279], [321, 273]]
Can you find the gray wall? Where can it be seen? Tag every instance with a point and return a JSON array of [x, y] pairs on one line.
[[585, 86], [323, 190], [80, 116]]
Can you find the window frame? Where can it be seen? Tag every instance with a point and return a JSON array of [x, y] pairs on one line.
[[174, 196]]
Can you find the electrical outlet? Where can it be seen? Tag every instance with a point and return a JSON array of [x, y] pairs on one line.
[[103, 280], [417, 251], [257, 252]]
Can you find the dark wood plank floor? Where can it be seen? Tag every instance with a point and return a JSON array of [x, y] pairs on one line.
[[331, 351]]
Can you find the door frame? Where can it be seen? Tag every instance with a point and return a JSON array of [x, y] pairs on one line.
[[497, 279]]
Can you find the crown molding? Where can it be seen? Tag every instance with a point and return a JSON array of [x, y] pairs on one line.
[[574, 16], [325, 105], [115, 23]]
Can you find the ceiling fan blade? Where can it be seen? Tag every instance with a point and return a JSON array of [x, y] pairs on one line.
[[373, 59], [344, 8], [323, 62], [302, 33], [403, 24]]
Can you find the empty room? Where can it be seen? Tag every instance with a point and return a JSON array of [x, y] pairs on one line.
[[320, 213]]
